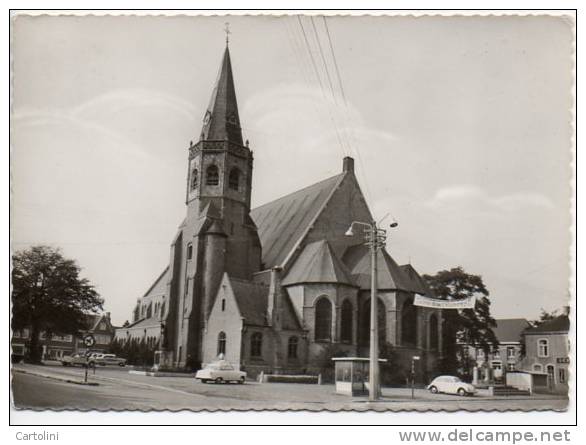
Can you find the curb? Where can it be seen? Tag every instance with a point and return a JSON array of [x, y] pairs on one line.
[[54, 377]]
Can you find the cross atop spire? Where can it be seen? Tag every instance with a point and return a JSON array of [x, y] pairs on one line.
[[221, 121], [227, 31]]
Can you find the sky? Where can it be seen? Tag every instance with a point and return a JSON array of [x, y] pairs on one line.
[[460, 127]]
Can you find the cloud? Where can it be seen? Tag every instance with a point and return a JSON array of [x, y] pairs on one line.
[[467, 194], [60, 118], [293, 123], [140, 122], [126, 99]]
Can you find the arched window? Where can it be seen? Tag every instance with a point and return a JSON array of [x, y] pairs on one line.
[[323, 320], [292, 347], [222, 343], [162, 309], [212, 175], [346, 327], [189, 251], [433, 333], [234, 179], [381, 322], [409, 324], [193, 178], [256, 345]]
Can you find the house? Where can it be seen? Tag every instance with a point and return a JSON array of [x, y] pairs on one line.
[[506, 356], [547, 352], [59, 345]]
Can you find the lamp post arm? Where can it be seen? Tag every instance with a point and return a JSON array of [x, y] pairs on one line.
[[361, 224]]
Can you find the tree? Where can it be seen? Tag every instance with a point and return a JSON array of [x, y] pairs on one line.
[[391, 371], [544, 317], [466, 326], [49, 295]]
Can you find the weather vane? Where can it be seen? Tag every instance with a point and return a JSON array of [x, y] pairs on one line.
[[227, 31]]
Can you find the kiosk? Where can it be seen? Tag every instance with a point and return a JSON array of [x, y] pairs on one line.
[[352, 375]]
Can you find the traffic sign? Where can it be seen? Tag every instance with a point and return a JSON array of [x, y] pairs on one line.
[[89, 340]]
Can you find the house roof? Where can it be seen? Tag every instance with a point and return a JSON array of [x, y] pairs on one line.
[[283, 222], [252, 299], [510, 330], [560, 323], [317, 263], [390, 275]]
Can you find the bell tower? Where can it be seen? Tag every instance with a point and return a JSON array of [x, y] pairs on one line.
[[218, 235], [219, 176], [220, 165]]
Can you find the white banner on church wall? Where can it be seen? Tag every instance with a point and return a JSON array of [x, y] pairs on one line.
[[422, 301]]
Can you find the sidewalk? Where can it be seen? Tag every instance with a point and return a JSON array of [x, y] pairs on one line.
[[49, 374]]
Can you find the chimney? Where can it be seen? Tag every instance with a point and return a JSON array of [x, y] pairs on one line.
[[348, 164], [274, 303]]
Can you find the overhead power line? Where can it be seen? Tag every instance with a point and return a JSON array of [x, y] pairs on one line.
[[354, 146], [318, 76]]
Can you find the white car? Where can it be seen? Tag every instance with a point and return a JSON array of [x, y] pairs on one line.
[[109, 359], [219, 372], [451, 385]]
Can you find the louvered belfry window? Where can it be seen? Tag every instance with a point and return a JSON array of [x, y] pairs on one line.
[[212, 175]]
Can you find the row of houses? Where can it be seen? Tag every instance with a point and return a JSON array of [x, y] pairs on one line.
[[542, 351], [56, 346]]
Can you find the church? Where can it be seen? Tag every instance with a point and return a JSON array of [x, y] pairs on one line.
[[280, 288]]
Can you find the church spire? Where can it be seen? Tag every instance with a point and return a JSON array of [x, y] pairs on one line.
[[221, 121]]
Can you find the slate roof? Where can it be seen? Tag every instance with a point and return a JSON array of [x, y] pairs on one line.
[[283, 222], [157, 281], [221, 121], [317, 263], [357, 258], [560, 323], [414, 281], [510, 330], [252, 300]]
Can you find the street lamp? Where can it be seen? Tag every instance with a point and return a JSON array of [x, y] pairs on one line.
[[413, 360], [162, 338], [375, 239]]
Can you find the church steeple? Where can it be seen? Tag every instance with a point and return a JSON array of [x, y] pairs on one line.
[[221, 121]]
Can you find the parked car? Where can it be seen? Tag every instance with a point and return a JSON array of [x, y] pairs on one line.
[[108, 359], [75, 359], [451, 385], [220, 371]]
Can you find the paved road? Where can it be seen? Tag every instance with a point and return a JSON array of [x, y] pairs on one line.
[[120, 390]]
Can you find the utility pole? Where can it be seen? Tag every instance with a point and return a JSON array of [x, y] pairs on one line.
[[374, 392], [375, 240]]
